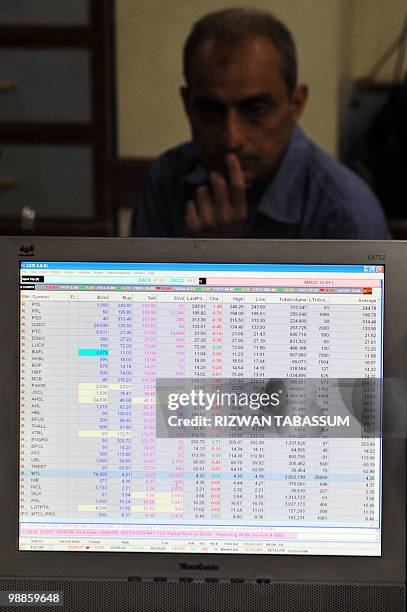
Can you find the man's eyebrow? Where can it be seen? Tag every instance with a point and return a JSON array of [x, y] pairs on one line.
[[265, 98], [202, 100]]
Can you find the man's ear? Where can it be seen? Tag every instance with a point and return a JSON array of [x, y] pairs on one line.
[[299, 99], [185, 96]]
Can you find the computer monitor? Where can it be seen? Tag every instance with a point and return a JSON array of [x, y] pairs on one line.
[[114, 498]]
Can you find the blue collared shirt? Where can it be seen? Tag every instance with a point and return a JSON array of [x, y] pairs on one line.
[[310, 196]]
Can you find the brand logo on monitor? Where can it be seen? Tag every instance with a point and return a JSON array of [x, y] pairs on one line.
[[199, 566], [26, 249]]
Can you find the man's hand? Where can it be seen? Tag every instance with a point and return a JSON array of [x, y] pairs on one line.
[[222, 211]]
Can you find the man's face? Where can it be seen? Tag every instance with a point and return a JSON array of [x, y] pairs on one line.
[[237, 102]]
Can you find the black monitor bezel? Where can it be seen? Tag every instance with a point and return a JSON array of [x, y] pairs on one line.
[[389, 567]]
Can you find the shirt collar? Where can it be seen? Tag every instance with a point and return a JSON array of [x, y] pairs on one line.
[[283, 198]]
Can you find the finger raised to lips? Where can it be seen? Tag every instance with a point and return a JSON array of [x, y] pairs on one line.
[[221, 197], [236, 183]]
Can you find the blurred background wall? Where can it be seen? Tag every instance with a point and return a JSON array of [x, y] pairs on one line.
[[337, 41], [57, 86]]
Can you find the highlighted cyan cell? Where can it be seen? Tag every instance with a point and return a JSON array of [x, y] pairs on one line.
[[93, 352]]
